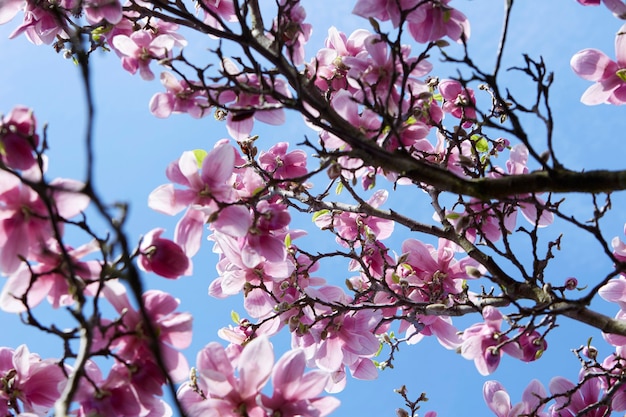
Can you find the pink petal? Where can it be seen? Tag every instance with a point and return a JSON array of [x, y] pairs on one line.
[[288, 371], [164, 200], [234, 221], [596, 94], [364, 370], [189, 231], [273, 117], [255, 365], [218, 165], [592, 65], [9, 9], [161, 105]]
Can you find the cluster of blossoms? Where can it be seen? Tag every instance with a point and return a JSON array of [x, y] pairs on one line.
[[242, 200], [225, 381]]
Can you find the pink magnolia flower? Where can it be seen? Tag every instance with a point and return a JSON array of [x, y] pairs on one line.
[[458, 101], [328, 67], [383, 74], [295, 33], [42, 25], [163, 256], [36, 383], [243, 107], [215, 390], [18, 139], [140, 48], [431, 21], [434, 272], [434, 20], [180, 97], [571, 399], [351, 228], [296, 393], [24, 218], [283, 165], [609, 76], [172, 328], [532, 345], [344, 340], [206, 184], [499, 402], [237, 268], [49, 279], [484, 343], [119, 394]]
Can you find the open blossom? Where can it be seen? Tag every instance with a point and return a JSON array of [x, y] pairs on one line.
[[52, 280], [217, 11], [140, 48], [163, 256], [499, 402], [435, 20], [294, 32], [24, 218], [484, 342], [382, 73], [296, 392], [458, 101], [128, 391], [42, 25], [26, 378], [221, 385], [180, 97], [172, 328], [327, 67], [206, 187], [352, 228], [282, 164], [571, 399], [223, 392], [243, 106], [431, 21], [609, 76]]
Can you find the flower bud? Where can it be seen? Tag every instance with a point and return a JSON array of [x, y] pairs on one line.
[[163, 256], [571, 283]]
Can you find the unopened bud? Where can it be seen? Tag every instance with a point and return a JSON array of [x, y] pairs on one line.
[[590, 352], [401, 412], [571, 283]]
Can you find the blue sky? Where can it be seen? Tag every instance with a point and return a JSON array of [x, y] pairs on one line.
[[133, 149]]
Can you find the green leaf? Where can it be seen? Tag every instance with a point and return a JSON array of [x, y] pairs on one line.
[[319, 213], [234, 316], [339, 188], [482, 145], [380, 349], [452, 216], [200, 154], [288, 240], [621, 74]]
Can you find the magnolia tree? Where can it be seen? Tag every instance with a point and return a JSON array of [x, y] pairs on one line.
[[398, 107]]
